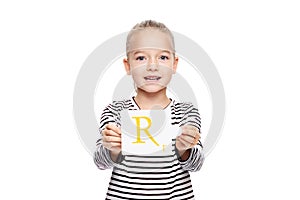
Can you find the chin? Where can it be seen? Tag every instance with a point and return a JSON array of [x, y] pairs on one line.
[[152, 89]]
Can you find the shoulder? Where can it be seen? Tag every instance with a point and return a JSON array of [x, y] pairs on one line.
[[120, 105], [183, 106], [111, 112], [185, 113]]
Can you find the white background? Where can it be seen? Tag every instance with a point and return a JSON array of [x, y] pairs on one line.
[[254, 44]]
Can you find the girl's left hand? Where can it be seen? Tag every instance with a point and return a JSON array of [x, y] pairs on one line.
[[188, 139]]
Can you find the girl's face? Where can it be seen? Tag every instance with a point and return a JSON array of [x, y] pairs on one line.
[[151, 61]]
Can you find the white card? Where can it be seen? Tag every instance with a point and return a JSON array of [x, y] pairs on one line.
[[147, 132]]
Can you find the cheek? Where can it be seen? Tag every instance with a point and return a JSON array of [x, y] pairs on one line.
[[137, 74], [167, 71]]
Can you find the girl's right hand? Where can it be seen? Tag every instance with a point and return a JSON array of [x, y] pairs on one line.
[[112, 139]]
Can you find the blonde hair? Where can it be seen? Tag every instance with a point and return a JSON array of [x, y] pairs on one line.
[[149, 24]]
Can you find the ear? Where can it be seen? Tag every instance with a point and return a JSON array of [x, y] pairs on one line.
[[127, 66], [175, 64]]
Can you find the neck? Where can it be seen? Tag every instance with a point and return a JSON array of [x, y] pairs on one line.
[[152, 101]]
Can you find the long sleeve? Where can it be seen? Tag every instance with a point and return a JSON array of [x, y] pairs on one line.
[[196, 158], [102, 157]]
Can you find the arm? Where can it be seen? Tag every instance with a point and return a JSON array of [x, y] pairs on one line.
[[102, 156], [188, 145], [106, 155], [192, 159]]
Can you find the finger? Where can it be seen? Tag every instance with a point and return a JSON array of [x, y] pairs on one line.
[[111, 145], [186, 141], [192, 133], [189, 130], [195, 141], [189, 127], [197, 136], [187, 145], [187, 137], [189, 140], [113, 127], [107, 132], [111, 139], [179, 143]]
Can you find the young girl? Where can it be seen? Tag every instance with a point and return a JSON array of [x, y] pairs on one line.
[[150, 61]]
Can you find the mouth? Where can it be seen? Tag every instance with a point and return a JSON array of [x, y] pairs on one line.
[[152, 78]]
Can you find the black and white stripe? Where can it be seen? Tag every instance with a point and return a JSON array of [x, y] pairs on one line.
[[155, 176]]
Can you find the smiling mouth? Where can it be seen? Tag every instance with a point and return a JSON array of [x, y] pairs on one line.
[[152, 78]]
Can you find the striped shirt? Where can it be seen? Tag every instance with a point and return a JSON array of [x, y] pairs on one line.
[[151, 176]]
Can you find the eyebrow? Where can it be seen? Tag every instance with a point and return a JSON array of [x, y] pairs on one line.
[[142, 51]]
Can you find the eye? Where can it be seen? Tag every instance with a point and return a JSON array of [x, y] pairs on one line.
[[140, 58], [164, 58]]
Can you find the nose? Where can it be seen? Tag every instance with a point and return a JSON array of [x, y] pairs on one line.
[[152, 65]]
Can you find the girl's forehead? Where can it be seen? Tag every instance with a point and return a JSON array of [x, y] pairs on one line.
[[150, 39], [150, 50]]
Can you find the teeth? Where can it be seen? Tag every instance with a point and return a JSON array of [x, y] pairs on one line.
[[152, 78]]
